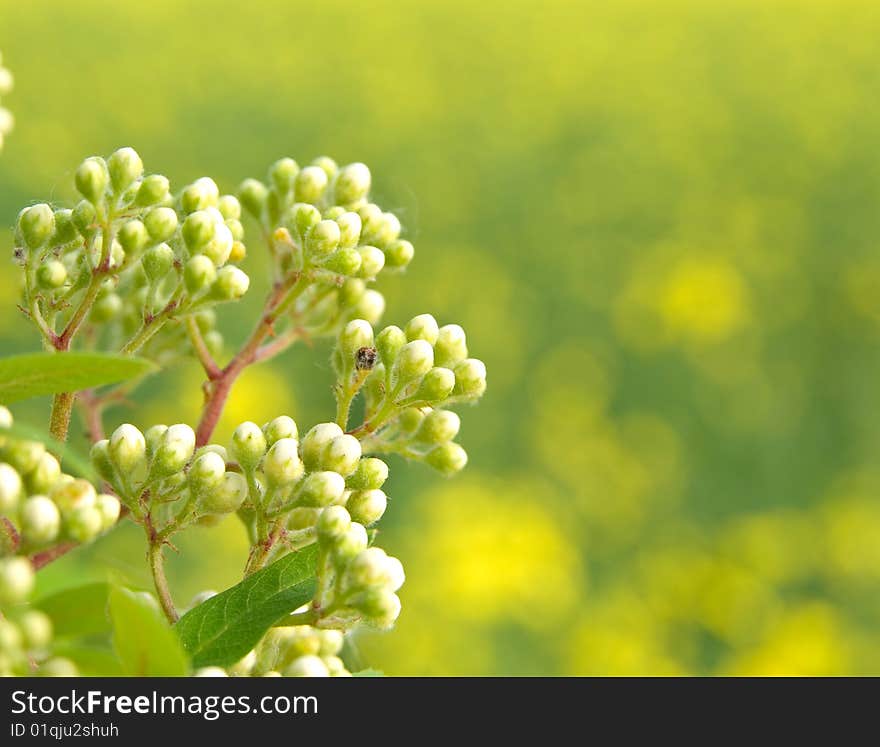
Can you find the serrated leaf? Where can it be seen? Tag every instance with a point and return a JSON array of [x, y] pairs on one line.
[[37, 374], [145, 643], [223, 629], [72, 460], [78, 611]]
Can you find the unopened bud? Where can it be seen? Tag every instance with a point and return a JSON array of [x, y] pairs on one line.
[[447, 458], [372, 262], [342, 455], [157, 261], [161, 223], [470, 378], [436, 385], [199, 274], [133, 236], [371, 473], [398, 254], [248, 444], [45, 474], [226, 497], [37, 224], [125, 167], [231, 284], [206, 474], [450, 346], [128, 448], [281, 427], [315, 441], [367, 506], [109, 508], [83, 524], [352, 184], [153, 438], [252, 195], [91, 179], [307, 666], [333, 524], [174, 451], [323, 239], [73, 495], [438, 427], [51, 275], [349, 230], [282, 465], [414, 360], [310, 184], [16, 580], [322, 489], [370, 306], [282, 173], [422, 327], [36, 629], [152, 191], [101, 461], [40, 520]]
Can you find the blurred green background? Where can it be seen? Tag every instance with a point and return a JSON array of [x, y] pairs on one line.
[[659, 224]]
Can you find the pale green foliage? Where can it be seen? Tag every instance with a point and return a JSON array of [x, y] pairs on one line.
[[6, 120]]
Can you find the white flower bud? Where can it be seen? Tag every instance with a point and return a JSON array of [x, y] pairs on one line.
[[231, 284], [351, 292], [450, 346], [84, 523], [37, 224], [175, 450], [282, 465], [10, 488], [128, 448], [355, 335], [310, 184], [210, 672], [51, 274], [422, 327], [388, 344], [349, 230], [200, 194], [331, 642], [371, 473], [219, 246], [350, 544], [367, 506], [198, 229], [36, 629], [206, 473], [125, 167], [199, 274], [414, 360], [153, 438], [25, 455], [333, 524], [382, 229], [341, 455], [470, 378], [436, 385], [447, 458], [70, 495], [322, 489], [323, 239], [16, 580], [380, 606], [370, 306], [161, 223], [229, 207], [438, 427], [372, 262], [40, 520], [307, 666], [281, 427], [91, 179], [352, 184], [395, 574], [302, 217], [228, 496], [315, 441], [330, 167], [248, 444], [398, 254], [368, 569], [109, 509]]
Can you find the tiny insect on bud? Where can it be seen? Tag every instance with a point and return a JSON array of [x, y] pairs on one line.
[[282, 465], [281, 427], [413, 361], [227, 496], [92, 178], [321, 489], [40, 520], [357, 334], [161, 223], [352, 184], [37, 224], [133, 236], [157, 262], [341, 455], [109, 508], [16, 580], [315, 441], [51, 274], [36, 629], [450, 346], [128, 448], [199, 274], [310, 184], [447, 458], [365, 358], [470, 378], [248, 444], [153, 190], [422, 327], [435, 385], [372, 262], [438, 427], [333, 524], [125, 167], [367, 506], [282, 174], [230, 285], [398, 254]]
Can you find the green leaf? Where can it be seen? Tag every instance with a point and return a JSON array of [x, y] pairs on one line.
[[90, 660], [36, 374], [78, 611], [223, 629], [145, 644], [72, 460]]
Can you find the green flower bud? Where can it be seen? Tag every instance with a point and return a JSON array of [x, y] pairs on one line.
[[314, 443], [388, 344], [371, 306], [128, 448], [133, 236], [352, 291], [381, 230], [102, 462], [354, 541], [157, 262], [307, 666], [199, 274], [398, 254], [84, 217], [198, 229], [65, 228], [368, 569], [436, 385], [281, 427], [58, 666], [202, 193], [10, 488], [327, 164], [236, 229], [282, 465], [51, 275], [371, 474], [310, 184], [106, 308], [372, 261], [367, 506], [45, 474], [282, 174], [109, 509], [154, 189], [342, 455], [16, 580], [40, 520], [228, 496], [153, 438], [175, 450], [470, 378], [83, 524], [72, 495], [349, 230], [252, 195], [11, 639], [438, 427], [248, 444], [303, 517], [229, 207], [352, 184], [344, 262], [36, 629], [323, 239], [333, 524], [125, 167], [381, 607], [230, 285], [220, 246], [322, 489], [447, 458], [206, 474], [413, 361], [450, 346], [91, 179], [161, 223], [24, 455], [37, 224], [422, 327]]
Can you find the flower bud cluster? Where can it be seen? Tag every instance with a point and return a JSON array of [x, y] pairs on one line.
[[131, 251], [6, 120], [25, 633], [414, 374], [42, 504]]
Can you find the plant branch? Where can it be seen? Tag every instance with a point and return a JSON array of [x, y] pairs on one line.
[[157, 568]]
